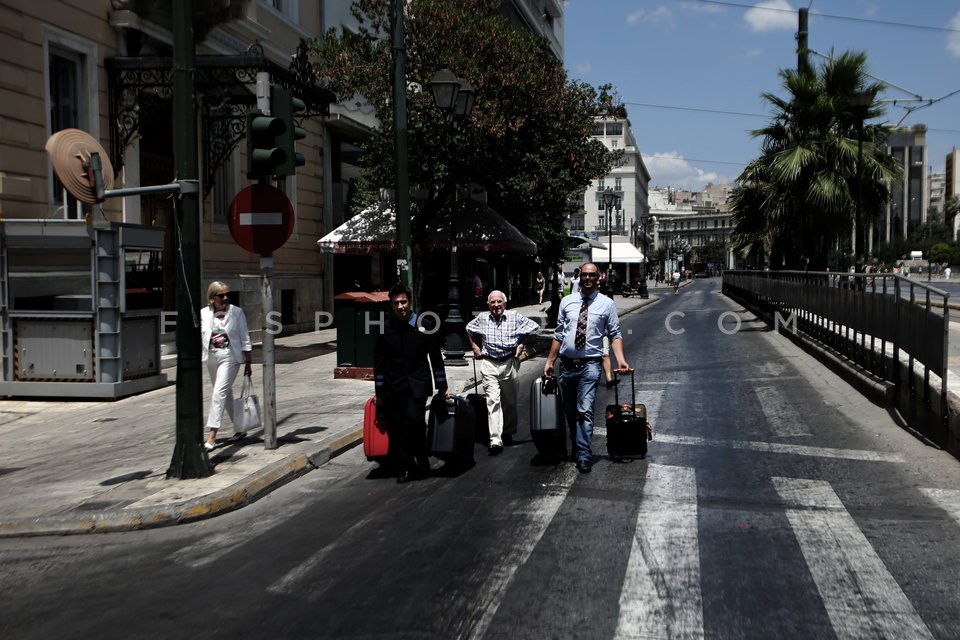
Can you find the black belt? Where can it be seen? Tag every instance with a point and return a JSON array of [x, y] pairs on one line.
[[579, 361], [500, 359]]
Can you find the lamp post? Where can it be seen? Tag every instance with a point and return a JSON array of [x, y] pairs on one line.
[[454, 97], [648, 220], [611, 199]]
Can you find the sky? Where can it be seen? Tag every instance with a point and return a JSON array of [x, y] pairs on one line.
[[691, 73]]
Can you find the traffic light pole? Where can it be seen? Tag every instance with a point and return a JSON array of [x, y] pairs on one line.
[[189, 457], [269, 366]]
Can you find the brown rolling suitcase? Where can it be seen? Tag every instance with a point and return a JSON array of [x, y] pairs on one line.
[[627, 428]]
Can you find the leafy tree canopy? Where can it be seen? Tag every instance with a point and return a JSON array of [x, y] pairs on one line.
[[527, 141]]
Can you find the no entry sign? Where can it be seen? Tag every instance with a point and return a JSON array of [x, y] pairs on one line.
[[261, 218]]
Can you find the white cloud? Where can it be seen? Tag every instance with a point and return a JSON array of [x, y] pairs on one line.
[[659, 15], [953, 40], [670, 168], [583, 68], [771, 15]]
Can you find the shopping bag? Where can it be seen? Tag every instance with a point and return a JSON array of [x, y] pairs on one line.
[[246, 409]]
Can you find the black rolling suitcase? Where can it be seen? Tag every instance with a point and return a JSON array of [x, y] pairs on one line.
[[481, 430], [627, 426], [450, 430], [547, 424]]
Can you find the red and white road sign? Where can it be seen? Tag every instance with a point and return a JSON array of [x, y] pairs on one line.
[[261, 218]]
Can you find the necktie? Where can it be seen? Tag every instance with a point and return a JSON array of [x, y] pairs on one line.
[[580, 339]]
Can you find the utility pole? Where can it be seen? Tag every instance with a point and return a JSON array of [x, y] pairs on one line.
[[402, 195], [803, 62], [189, 457]]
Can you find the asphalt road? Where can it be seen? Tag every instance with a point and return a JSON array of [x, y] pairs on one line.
[[775, 503]]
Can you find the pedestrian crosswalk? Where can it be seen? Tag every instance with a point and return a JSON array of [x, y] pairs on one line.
[[663, 578]]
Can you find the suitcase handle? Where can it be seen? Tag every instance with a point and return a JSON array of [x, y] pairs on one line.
[[616, 389]]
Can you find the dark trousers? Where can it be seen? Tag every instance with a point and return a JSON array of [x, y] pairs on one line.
[[407, 430]]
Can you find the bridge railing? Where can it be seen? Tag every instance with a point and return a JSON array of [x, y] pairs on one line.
[[892, 327]]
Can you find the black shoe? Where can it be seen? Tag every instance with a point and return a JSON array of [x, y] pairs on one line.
[[584, 466], [496, 449], [405, 476]]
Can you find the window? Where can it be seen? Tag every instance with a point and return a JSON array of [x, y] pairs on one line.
[[287, 8], [38, 284], [72, 101], [618, 184], [225, 187]]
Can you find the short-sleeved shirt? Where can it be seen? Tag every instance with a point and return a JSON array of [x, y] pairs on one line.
[[500, 336]]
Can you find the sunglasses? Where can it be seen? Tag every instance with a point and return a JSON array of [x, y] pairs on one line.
[[589, 274], [222, 296]]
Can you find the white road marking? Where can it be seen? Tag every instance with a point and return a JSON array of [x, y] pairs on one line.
[[782, 416], [946, 499], [776, 447], [862, 599], [498, 581], [661, 595], [299, 579]]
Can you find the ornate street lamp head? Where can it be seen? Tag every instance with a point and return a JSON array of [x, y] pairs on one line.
[[445, 86]]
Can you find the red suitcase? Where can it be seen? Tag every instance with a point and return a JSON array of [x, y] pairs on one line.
[[376, 444]]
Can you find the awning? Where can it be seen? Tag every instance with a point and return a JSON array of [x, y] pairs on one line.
[[478, 228], [623, 252], [582, 242]]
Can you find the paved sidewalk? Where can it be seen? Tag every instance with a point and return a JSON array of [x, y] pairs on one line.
[[95, 466]]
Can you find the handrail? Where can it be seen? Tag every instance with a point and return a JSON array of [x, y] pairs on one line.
[[889, 325]]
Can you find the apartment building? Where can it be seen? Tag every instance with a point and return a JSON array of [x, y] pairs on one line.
[[103, 273], [629, 176]]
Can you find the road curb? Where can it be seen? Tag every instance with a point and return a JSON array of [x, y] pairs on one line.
[[222, 501]]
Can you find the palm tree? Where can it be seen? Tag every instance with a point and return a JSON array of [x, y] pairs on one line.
[[799, 198]]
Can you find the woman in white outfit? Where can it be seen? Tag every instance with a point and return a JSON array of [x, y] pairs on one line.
[[226, 343]]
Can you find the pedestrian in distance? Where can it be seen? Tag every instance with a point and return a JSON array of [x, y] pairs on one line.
[[225, 343], [584, 319], [498, 338], [404, 355], [575, 281], [676, 282], [541, 285]]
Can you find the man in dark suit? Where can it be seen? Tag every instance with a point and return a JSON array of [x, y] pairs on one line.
[[402, 378]]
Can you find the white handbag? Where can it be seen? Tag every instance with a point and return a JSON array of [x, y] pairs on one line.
[[246, 409]]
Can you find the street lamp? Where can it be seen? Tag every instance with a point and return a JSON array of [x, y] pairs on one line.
[[611, 199], [454, 97], [647, 221]]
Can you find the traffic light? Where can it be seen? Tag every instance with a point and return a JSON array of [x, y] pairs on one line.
[[265, 137], [284, 106]]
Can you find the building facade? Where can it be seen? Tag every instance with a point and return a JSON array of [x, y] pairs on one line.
[[629, 176], [689, 221], [907, 208]]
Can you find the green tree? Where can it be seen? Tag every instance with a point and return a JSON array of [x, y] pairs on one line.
[[799, 199], [950, 210], [528, 141]]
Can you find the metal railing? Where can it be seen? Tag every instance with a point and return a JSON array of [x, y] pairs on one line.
[[894, 328]]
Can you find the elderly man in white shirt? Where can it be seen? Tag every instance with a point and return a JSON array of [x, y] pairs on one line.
[[498, 339]]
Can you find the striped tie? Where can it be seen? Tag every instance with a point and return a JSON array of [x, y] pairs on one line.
[[580, 340]]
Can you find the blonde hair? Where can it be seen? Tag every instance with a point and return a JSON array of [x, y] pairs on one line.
[[215, 287]]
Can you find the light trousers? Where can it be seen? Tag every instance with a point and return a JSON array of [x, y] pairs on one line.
[[223, 367], [501, 384]]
